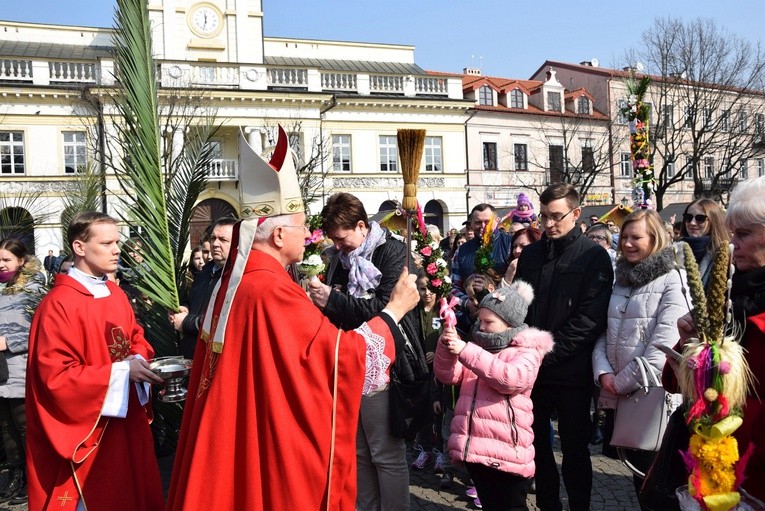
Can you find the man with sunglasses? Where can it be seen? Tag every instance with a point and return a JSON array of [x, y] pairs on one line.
[[572, 279]]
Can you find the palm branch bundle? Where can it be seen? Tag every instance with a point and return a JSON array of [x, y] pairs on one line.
[[140, 175], [714, 378], [410, 146]]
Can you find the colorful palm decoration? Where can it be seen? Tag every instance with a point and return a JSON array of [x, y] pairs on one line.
[[638, 113], [714, 379]]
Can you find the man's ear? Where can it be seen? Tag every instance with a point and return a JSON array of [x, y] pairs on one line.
[[78, 247], [278, 237]]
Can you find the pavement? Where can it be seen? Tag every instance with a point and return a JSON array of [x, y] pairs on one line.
[[612, 488]]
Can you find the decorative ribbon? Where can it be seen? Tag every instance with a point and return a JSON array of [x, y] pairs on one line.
[[446, 311]]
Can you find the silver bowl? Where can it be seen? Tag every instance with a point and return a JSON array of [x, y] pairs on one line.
[[173, 370]]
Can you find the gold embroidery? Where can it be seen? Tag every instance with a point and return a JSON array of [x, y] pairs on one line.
[[65, 498], [120, 346], [211, 361]]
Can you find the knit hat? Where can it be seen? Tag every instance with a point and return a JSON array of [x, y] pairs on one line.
[[511, 304], [524, 199]]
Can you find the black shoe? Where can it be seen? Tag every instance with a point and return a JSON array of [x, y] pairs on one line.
[[445, 480], [13, 484]]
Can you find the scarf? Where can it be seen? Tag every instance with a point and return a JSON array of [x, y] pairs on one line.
[[643, 272], [698, 246], [496, 341], [362, 274], [6, 276], [748, 294]]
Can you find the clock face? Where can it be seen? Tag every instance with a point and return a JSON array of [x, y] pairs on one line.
[[206, 20]]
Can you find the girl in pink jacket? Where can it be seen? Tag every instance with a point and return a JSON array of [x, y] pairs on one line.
[[491, 430]]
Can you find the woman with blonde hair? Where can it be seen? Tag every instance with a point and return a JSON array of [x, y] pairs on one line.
[[645, 304], [704, 231]]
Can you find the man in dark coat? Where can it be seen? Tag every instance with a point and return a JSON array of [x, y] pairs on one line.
[[189, 319], [572, 279]]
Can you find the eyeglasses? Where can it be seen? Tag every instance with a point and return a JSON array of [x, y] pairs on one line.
[[597, 237], [304, 227], [700, 219], [555, 217]]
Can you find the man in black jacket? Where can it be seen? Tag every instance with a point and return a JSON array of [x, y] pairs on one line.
[[572, 279], [189, 319]]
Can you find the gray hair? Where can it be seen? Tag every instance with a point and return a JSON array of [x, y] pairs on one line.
[[746, 206], [604, 229], [266, 229]]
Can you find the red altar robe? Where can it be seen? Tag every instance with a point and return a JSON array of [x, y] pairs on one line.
[[256, 430], [73, 452]]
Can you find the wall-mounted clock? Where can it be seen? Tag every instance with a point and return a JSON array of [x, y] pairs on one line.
[[205, 20]]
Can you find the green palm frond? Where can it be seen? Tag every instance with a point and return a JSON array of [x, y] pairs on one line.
[[84, 195], [187, 180], [20, 213], [140, 175]]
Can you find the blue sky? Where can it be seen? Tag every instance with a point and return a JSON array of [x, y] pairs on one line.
[[508, 38]]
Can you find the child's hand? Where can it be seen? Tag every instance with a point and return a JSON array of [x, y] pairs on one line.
[[455, 346], [447, 335], [429, 357]]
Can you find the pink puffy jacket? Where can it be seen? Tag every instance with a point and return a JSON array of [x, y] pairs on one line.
[[493, 417]]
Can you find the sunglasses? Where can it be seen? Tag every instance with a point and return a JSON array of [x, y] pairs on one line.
[[700, 219]]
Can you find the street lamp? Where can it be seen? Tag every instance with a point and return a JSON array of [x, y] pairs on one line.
[[625, 201]]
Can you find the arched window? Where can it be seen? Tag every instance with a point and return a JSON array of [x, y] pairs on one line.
[[486, 96], [516, 99], [434, 214], [18, 223], [205, 214]]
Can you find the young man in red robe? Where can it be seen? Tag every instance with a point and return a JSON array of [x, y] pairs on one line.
[[88, 440], [274, 396]]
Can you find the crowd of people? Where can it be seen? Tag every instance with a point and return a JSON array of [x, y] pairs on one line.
[[357, 370]]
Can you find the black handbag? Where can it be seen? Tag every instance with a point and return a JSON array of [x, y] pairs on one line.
[[410, 391], [668, 471]]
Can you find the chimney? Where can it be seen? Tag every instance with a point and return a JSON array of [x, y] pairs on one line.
[[473, 71], [585, 63]]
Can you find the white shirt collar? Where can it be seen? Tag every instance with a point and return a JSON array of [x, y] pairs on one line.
[[96, 285]]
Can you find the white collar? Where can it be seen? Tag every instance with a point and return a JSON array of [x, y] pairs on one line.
[[96, 285]]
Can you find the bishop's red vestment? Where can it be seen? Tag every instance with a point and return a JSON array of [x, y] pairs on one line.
[[256, 431], [73, 452]]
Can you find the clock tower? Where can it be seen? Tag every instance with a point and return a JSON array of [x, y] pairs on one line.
[[223, 31]]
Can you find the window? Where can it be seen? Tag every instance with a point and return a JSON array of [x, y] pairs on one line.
[[516, 99], [433, 154], [725, 120], [521, 156], [744, 169], [553, 102], [727, 168], [758, 164], [583, 105], [741, 122], [75, 152], [689, 167], [670, 166], [341, 153], [11, 152], [388, 154], [709, 167], [490, 156], [486, 96], [690, 117], [625, 165], [296, 143], [588, 160], [759, 124], [667, 117], [621, 104], [708, 117], [556, 164]]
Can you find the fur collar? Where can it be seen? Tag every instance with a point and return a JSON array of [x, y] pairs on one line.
[[31, 273], [645, 271]]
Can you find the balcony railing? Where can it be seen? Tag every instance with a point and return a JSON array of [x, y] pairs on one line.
[[338, 81], [428, 85], [72, 72], [223, 170], [16, 70], [287, 77], [386, 83], [214, 76]]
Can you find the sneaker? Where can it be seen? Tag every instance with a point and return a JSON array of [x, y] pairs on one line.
[[438, 466], [422, 460], [477, 503], [445, 480], [471, 493]]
